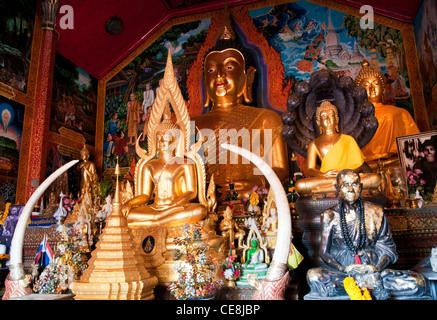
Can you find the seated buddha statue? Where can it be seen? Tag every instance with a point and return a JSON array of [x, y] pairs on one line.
[[356, 241], [170, 184], [392, 121], [172, 180], [336, 151], [228, 77], [254, 256]]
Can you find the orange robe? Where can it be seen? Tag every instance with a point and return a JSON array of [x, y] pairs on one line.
[[392, 122]]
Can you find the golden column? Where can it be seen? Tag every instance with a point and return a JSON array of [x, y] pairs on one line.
[[116, 269]]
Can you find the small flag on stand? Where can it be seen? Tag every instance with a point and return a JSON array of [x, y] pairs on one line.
[[44, 254]]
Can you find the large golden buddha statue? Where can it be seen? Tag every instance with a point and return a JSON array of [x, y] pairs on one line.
[[336, 151], [170, 178], [392, 121], [228, 78]]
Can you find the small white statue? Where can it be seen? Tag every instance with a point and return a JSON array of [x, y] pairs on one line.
[[272, 220], [60, 213], [106, 209]]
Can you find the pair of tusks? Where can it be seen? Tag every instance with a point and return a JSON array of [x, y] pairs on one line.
[[16, 253], [279, 262], [278, 266]]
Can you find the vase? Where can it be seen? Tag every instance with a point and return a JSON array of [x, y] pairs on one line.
[[412, 203], [231, 282]]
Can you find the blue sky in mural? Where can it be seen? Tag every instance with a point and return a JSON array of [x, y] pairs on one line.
[[301, 33], [84, 79]]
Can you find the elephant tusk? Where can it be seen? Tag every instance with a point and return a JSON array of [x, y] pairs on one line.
[[283, 239], [16, 267]]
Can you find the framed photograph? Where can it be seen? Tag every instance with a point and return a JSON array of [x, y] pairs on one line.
[[417, 154]]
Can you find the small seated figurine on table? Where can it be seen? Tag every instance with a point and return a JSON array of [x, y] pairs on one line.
[[356, 242], [336, 151], [230, 229], [255, 258]]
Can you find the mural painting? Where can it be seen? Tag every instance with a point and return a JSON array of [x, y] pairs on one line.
[[425, 29], [130, 93], [74, 102], [11, 128], [310, 37]]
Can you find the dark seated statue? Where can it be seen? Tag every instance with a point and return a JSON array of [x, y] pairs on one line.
[[357, 242]]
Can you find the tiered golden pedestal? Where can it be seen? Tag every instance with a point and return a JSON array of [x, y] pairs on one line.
[[116, 269]]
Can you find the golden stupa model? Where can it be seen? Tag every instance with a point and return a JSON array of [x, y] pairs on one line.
[[116, 270]]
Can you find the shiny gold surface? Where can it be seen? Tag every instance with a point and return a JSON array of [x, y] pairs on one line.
[[116, 270], [393, 122], [336, 152], [88, 172], [228, 81], [230, 229], [172, 177]]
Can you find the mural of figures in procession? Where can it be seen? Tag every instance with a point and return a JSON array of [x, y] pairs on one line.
[[310, 36], [131, 93], [11, 129]]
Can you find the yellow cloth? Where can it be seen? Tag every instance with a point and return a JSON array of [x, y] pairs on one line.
[[294, 258], [392, 122], [345, 154]]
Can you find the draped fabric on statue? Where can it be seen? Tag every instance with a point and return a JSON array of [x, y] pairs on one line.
[[352, 156], [392, 122]]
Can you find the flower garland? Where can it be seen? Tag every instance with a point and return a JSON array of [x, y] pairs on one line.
[[68, 264], [230, 268], [5, 213], [354, 292], [195, 271]]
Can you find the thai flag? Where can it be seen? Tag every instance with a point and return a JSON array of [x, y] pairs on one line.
[[44, 255]]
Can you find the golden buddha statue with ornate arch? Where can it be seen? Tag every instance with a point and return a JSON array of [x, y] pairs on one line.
[[170, 183], [170, 180], [228, 77]]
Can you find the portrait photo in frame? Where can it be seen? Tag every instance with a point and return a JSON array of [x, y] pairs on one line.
[[418, 158]]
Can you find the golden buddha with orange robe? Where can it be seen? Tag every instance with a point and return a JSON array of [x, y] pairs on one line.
[[336, 151], [393, 122]]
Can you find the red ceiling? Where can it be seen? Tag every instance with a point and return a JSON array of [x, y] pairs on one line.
[[97, 52]]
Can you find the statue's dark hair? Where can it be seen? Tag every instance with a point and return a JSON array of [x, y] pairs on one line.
[[223, 44]]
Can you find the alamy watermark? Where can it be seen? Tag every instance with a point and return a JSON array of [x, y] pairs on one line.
[[366, 21], [207, 143]]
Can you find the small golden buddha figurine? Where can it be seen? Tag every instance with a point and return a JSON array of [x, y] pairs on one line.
[[87, 171], [228, 78], [230, 229], [392, 121], [169, 179], [336, 152]]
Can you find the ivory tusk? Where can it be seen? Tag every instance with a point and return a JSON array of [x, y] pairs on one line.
[[16, 254], [283, 238]]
